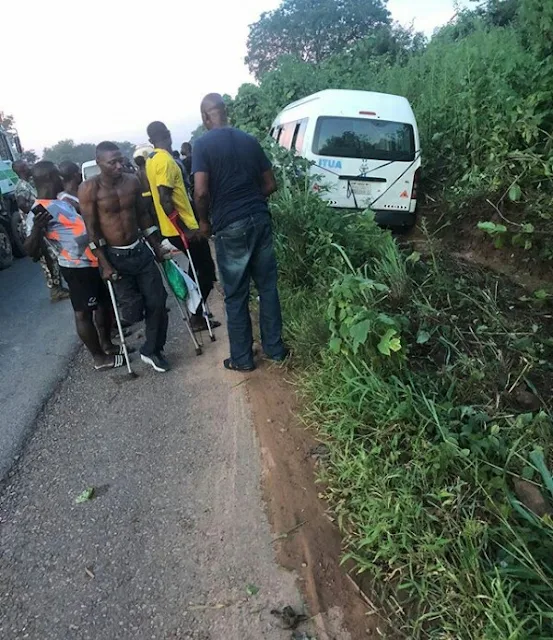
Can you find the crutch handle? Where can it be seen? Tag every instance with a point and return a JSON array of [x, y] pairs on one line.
[[174, 217]]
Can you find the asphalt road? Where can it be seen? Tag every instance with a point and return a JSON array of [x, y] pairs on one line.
[[37, 341], [175, 543]]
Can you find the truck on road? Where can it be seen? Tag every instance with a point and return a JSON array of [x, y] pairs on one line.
[[12, 225]]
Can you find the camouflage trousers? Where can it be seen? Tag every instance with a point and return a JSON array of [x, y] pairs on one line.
[[50, 267]]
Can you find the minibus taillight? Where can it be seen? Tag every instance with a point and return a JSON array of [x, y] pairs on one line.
[[414, 192]]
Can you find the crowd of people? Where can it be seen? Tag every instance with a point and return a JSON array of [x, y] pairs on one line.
[[117, 224]]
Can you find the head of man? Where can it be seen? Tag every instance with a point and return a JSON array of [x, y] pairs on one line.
[[22, 169], [214, 111], [159, 135], [176, 155], [140, 162], [47, 179], [70, 174], [186, 149], [110, 160]]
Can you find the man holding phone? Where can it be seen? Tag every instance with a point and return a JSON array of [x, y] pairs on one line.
[[25, 195], [58, 223]]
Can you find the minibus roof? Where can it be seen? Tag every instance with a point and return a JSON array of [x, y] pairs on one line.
[[351, 104]]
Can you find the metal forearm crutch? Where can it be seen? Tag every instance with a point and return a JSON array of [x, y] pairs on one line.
[[185, 242], [132, 374]]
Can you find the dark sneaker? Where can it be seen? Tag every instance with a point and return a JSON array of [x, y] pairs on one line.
[[155, 361]]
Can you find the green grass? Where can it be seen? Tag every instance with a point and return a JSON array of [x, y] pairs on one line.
[[412, 371]]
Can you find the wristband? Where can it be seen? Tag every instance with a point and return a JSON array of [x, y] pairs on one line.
[[101, 243], [150, 230]]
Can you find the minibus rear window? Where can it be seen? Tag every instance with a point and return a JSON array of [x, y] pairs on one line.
[[365, 139]]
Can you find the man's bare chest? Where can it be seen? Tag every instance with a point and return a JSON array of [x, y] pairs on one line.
[[113, 201]]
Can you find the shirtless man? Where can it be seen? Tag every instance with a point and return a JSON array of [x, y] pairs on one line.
[[112, 207]]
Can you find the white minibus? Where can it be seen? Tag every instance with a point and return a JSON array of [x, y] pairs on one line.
[[365, 148]]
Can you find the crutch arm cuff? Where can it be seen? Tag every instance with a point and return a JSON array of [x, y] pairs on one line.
[[150, 230]]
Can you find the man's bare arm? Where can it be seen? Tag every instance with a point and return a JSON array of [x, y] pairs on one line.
[[143, 217], [166, 199], [202, 200], [89, 212], [146, 223], [268, 183]]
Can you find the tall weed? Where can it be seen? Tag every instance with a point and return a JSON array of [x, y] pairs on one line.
[[415, 371]]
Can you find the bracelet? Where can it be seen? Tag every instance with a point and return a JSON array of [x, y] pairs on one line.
[[150, 230], [101, 243]]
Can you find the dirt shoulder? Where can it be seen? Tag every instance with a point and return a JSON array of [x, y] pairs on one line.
[[306, 540]]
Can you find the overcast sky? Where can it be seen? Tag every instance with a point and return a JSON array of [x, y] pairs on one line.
[[104, 69]]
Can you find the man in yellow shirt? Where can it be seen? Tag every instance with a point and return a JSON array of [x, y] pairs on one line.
[[169, 196]]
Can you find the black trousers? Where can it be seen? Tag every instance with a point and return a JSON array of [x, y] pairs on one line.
[[203, 262], [140, 277]]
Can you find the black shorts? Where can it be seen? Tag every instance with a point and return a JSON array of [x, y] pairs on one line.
[[86, 287]]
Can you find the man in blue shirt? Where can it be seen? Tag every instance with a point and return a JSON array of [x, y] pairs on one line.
[[233, 177]]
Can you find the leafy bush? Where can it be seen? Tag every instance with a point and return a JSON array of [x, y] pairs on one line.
[[419, 372]]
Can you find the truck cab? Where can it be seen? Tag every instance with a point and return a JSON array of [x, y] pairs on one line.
[[12, 230]]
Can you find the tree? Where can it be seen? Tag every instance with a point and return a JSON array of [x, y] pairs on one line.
[[498, 13], [79, 153], [68, 150], [29, 156], [7, 122], [537, 26], [311, 30]]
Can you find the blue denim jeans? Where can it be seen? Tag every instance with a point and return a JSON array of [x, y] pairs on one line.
[[245, 251]]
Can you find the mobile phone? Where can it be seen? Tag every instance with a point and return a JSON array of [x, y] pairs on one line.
[[39, 208]]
